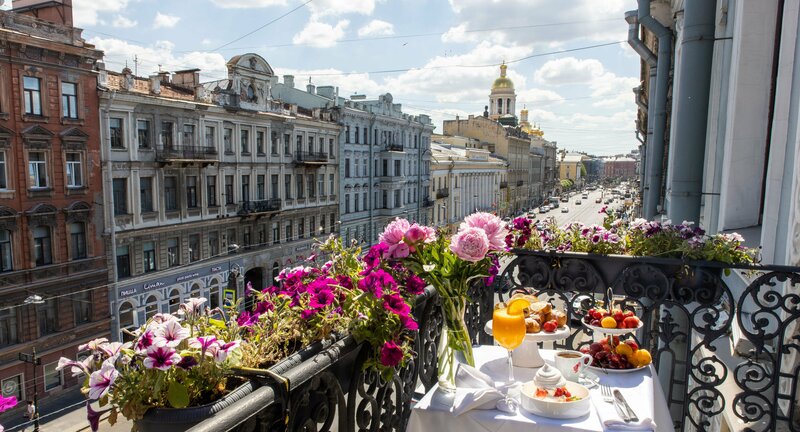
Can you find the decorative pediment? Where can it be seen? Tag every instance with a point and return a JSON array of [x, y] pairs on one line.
[[8, 218], [5, 137], [74, 137], [36, 137], [79, 211], [42, 214]]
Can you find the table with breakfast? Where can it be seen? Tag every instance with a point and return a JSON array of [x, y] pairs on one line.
[[607, 385]]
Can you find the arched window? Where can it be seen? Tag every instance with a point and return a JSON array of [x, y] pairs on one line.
[[499, 106], [195, 292], [213, 295], [150, 307], [77, 240], [127, 321], [174, 300], [6, 256], [508, 105]]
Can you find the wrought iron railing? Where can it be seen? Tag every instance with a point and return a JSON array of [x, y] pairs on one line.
[[427, 202], [261, 206], [688, 310], [172, 153], [394, 147], [519, 182], [503, 184], [443, 193], [310, 157]]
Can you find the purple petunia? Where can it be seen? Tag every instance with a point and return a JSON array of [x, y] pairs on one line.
[[101, 381], [394, 303], [376, 282], [415, 285], [187, 362], [322, 298]]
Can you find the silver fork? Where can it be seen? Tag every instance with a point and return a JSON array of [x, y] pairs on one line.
[[605, 391]]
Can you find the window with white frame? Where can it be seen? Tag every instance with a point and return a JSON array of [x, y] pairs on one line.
[[174, 301], [3, 171], [74, 174], [53, 378], [37, 170], [143, 133], [32, 93], [69, 100], [150, 307], [115, 133]]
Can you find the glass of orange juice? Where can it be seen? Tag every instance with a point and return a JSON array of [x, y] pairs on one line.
[[508, 328]]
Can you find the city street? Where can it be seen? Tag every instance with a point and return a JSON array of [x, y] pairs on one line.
[[586, 212]]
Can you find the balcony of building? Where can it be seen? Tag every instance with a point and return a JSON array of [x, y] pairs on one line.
[[251, 208], [442, 193], [172, 154], [394, 147], [427, 202], [503, 184], [520, 182], [310, 158]]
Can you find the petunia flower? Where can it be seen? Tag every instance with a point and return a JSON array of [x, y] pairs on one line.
[[222, 349], [394, 303], [101, 381], [145, 340], [77, 368], [161, 357], [204, 343], [193, 307], [172, 332], [187, 362], [93, 344]]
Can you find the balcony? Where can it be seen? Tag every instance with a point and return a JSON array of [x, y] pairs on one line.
[[688, 315], [394, 147], [187, 154], [427, 202], [31, 277], [442, 193], [250, 208], [519, 183], [503, 185], [310, 158]]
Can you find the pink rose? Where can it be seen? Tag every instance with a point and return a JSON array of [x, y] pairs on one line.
[[494, 227], [470, 244], [391, 354], [392, 236]]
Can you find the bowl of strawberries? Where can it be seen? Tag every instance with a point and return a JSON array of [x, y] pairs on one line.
[[611, 322]]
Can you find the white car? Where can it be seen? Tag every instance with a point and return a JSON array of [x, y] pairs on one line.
[[564, 210]]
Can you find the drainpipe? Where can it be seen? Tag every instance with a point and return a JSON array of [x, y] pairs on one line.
[[108, 213], [656, 112], [687, 152]]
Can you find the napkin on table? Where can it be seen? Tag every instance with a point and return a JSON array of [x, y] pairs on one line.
[[474, 390], [642, 406]]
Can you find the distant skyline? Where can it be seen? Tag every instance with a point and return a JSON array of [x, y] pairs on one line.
[[427, 53]]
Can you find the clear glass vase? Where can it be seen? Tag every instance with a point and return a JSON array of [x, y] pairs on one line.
[[455, 345]]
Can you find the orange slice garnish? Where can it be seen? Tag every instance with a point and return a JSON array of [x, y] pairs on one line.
[[517, 306]]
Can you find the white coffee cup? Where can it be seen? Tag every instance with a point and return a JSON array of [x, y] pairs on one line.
[[572, 363]]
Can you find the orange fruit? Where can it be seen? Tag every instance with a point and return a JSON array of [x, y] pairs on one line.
[[624, 349], [643, 357], [608, 322], [517, 306]]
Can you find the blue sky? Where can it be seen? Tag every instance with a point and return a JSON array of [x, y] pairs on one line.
[[582, 99]]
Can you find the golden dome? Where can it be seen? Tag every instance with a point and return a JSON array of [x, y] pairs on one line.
[[502, 82]]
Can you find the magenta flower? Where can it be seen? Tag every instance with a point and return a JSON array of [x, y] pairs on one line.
[[161, 357], [417, 234], [204, 343], [248, 289], [222, 349], [395, 304], [101, 381], [409, 323], [307, 313], [247, 319], [93, 417], [376, 282], [263, 307], [187, 362], [393, 236], [391, 354], [493, 226], [6, 403], [470, 244], [415, 285], [321, 299], [93, 344], [145, 340], [172, 332], [373, 258]]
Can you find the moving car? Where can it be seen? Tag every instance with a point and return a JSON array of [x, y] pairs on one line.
[[577, 202], [544, 209], [564, 210], [598, 200]]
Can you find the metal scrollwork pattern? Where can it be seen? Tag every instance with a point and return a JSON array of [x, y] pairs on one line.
[[317, 404]]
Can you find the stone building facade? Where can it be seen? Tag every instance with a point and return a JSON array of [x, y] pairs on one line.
[[214, 186], [53, 281]]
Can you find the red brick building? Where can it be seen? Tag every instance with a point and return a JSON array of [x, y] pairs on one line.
[[51, 217], [620, 167]]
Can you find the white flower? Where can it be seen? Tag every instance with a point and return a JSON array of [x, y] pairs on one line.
[[101, 381], [172, 333], [428, 267], [92, 344]]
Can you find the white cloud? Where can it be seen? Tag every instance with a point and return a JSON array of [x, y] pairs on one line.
[[165, 21], [321, 8], [86, 13], [118, 52], [376, 28], [535, 97], [348, 84], [123, 22], [247, 4], [458, 34], [320, 35], [568, 70]]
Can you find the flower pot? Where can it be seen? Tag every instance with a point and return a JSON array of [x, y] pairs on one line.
[[182, 419]]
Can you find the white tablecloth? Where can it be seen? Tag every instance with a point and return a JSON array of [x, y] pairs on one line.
[[431, 413]]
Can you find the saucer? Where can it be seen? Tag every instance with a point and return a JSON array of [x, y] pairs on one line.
[[589, 379]]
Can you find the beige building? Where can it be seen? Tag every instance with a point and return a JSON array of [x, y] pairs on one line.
[[570, 168]]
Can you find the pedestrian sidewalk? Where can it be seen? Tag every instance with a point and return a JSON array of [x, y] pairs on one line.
[[65, 412]]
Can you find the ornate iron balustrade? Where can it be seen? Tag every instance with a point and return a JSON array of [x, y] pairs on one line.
[[688, 313], [519, 182], [427, 202], [503, 184], [187, 153], [394, 147], [442, 193], [302, 157], [262, 206]]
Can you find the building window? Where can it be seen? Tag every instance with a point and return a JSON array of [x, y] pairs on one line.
[[299, 146], [127, 321], [191, 191], [211, 190], [143, 133], [170, 193], [69, 100], [330, 184], [150, 307], [174, 301], [213, 243], [74, 174], [273, 186], [188, 135], [173, 252], [43, 249], [46, 313], [276, 233], [300, 192], [287, 183], [245, 188], [311, 144], [13, 386], [229, 189], [8, 330], [364, 200], [194, 247], [301, 228], [32, 92], [274, 143], [211, 137], [385, 167], [146, 194], [167, 140], [355, 202], [227, 139], [286, 144], [333, 222], [260, 142], [330, 148], [6, 257], [321, 184], [3, 177], [261, 181], [245, 139], [231, 238], [123, 262], [213, 296], [37, 170], [347, 203], [149, 256], [365, 135], [347, 168], [289, 231], [77, 234], [322, 225], [82, 307], [347, 134], [312, 193], [115, 133], [52, 378], [398, 171], [246, 237]]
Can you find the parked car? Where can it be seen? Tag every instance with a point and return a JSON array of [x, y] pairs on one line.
[[544, 209], [598, 200], [577, 202], [564, 210]]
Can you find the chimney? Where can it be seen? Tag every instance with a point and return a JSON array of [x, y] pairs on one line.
[[325, 91], [310, 88], [155, 84], [54, 11], [163, 76], [288, 80], [186, 78]]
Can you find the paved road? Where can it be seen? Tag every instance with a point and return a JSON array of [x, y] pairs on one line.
[[586, 212]]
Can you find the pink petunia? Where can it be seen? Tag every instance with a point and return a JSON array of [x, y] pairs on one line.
[[391, 354], [172, 332], [161, 357], [204, 343], [101, 381], [394, 303]]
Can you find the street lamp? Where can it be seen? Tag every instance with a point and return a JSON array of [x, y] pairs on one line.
[[35, 361]]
